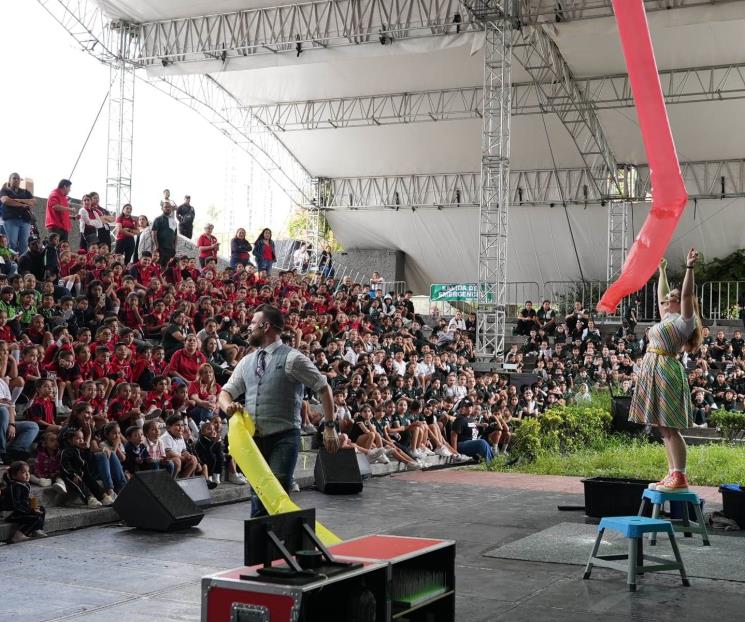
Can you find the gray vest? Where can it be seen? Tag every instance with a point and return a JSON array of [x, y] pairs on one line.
[[275, 399]]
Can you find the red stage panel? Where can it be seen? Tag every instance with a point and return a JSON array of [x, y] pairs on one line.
[[383, 547]]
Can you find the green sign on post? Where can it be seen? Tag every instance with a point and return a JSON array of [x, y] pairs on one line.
[[454, 292]]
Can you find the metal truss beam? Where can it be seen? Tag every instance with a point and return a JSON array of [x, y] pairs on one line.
[[114, 42], [87, 24], [214, 103], [312, 25], [409, 191], [338, 23], [556, 11], [712, 179], [689, 85], [527, 188]]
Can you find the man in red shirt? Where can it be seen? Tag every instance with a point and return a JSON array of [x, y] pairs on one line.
[[208, 245], [59, 210]]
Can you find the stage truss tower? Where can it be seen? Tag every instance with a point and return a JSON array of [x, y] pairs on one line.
[[495, 178], [121, 121]]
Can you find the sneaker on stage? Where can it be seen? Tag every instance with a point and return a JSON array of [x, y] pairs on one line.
[[237, 478], [675, 482]]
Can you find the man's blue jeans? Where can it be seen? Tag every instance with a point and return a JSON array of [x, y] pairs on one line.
[[281, 451], [479, 447], [26, 433], [17, 231]]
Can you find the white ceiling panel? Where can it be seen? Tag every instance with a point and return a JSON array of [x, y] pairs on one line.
[[702, 131], [421, 148], [303, 78], [694, 37]]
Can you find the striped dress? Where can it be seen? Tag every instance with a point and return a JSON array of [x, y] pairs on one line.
[[662, 396]]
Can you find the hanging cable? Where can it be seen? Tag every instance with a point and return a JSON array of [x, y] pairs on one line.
[[566, 211], [90, 131]]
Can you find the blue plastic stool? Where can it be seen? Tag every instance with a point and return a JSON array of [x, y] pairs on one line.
[[685, 525], [634, 528]]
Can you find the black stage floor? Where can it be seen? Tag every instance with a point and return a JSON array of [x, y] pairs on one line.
[[113, 573]]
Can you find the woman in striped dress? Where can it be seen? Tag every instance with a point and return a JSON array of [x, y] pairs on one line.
[[663, 397]]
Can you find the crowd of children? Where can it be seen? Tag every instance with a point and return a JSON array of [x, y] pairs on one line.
[[117, 367]]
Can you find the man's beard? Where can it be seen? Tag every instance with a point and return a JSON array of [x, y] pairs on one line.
[[255, 338]]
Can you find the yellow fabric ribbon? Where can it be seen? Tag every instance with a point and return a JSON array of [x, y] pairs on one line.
[[241, 429]]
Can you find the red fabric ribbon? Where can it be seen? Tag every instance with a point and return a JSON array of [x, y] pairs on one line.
[[669, 195]]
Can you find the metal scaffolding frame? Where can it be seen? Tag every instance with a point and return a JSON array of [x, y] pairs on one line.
[[314, 25], [316, 220], [446, 190], [542, 11], [687, 85], [618, 237], [325, 24], [491, 303], [339, 23], [116, 43], [715, 179], [208, 98], [120, 137]]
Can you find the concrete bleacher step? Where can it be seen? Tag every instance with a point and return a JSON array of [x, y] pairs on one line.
[[76, 516], [705, 436]]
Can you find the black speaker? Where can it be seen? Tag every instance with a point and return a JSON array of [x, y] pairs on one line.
[[196, 488], [620, 406], [339, 473], [153, 500]]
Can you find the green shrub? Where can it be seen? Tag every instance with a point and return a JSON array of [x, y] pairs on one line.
[[731, 424], [563, 429]]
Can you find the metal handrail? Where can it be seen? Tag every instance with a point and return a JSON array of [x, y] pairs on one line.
[[720, 300]]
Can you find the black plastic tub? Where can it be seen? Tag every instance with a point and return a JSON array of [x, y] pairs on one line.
[[611, 496], [733, 504]]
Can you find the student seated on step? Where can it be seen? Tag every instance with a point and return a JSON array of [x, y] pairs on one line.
[[16, 497]]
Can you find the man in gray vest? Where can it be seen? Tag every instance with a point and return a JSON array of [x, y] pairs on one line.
[[273, 378]]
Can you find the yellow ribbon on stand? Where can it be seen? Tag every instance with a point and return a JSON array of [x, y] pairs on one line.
[[241, 429]]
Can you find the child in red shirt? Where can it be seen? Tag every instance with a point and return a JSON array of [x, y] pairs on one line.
[[83, 361], [42, 409], [130, 314], [121, 408], [6, 332], [142, 368], [159, 397], [100, 368], [28, 368], [159, 362], [119, 368]]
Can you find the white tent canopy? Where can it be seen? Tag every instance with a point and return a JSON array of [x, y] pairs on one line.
[[442, 246]]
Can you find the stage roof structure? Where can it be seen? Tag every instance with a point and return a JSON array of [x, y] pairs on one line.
[[383, 99]]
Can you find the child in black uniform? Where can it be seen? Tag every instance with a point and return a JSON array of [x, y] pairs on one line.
[[209, 448], [25, 512], [75, 474]]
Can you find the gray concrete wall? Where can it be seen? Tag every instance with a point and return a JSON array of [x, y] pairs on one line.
[[363, 262]]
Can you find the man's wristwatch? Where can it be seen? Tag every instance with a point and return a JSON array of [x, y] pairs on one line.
[[328, 424]]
